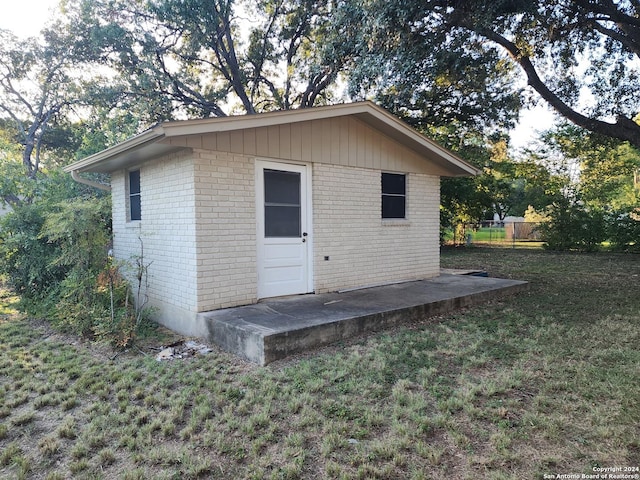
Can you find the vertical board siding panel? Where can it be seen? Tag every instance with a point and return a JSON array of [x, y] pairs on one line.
[[236, 141], [384, 153], [325, 134], [296, 141], [194, 141], [342, 142], [178, 141], [336, 150], [273, 134], [352, 128], [285, 141], [376, 151], [306, 138], [224, 142], [368, 147], [361, 131], [262, 142], [316, 141], [413, 161], [210, 141], [250, 141], [393, 156]]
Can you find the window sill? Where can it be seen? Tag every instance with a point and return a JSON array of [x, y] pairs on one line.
[[133, 224], [396, 222]]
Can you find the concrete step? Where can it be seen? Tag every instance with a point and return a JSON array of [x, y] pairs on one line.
[[275, 328]]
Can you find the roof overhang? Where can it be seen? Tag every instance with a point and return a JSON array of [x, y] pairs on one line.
[[153, 142]]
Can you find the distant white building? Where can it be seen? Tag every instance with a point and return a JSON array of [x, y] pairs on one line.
[[508, 219]]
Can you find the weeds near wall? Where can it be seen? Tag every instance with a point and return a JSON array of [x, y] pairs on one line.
[[142, 275], [55, 258], [128, 309]]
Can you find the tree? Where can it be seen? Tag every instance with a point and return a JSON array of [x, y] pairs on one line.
[[37, 88], [431, 79], [499, 180], [594, 195], [565, 48], [607, 168], [536, 185], [195, 57], [463, 200]]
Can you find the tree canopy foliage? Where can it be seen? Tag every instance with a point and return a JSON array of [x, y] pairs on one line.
[[608, 170], [206, 57], [39, 84], [582, 57], [104, 70]]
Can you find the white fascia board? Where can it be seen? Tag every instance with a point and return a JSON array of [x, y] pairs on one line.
[[242, 122]]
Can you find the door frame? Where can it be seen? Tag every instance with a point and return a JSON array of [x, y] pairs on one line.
[[306, 226]]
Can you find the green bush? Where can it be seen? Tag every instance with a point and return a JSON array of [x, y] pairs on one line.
[[28, 259], [53, 252], [572, 226], [624, 230], [79, 230]]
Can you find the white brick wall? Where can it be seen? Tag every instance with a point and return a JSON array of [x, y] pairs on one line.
[[167, 230], [226, 230], [199, 232], [363, 249]]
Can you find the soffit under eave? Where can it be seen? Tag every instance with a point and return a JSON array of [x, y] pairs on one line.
[[131, 158]]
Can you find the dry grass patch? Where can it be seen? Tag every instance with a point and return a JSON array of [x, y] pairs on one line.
[[543, 382]]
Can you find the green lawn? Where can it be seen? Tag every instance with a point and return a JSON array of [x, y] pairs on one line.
[[545, 382], [494, 234]]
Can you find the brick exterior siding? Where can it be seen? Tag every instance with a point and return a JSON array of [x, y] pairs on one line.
[[226, 230], [198, 228], [364, 249], [167, 231]]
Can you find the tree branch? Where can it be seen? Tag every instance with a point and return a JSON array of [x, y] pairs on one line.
[[315, 87], [294, 44], [624, 129], [191, 96], [630, 43], [257, 75]]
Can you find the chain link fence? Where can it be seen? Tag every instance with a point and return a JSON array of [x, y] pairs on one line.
[[498, 234]]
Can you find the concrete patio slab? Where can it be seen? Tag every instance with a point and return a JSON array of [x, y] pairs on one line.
[[276, 328]]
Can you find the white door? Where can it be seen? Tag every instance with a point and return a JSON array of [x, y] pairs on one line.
[[283, 217]]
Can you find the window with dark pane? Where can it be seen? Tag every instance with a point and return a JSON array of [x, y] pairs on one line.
[[135, 211], [394, 195], [282, 209]]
